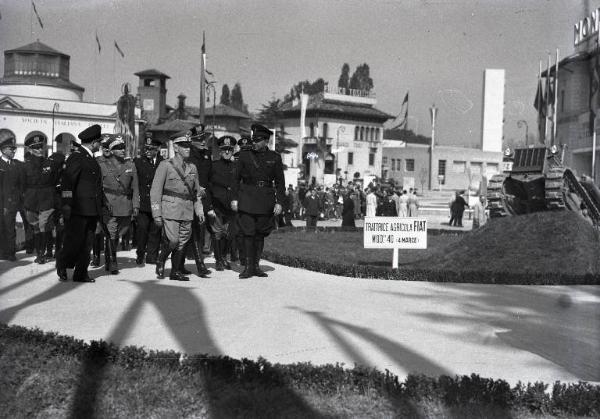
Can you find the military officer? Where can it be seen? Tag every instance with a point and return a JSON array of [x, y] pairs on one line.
[[201, 158], [175, 197], [42, 174], [220, 191], [148, 233], [83, 202], [12, 181], [99, 234], [120, 183], [235, 234], [259, 190]]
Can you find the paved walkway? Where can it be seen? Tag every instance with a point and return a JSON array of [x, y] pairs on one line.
[[513, 332]]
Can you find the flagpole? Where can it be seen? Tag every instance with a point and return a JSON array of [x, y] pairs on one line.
[[541, 139], [594, 120], [201, 109], [31, 20], [547, 99], [114, 82], [555, 99]]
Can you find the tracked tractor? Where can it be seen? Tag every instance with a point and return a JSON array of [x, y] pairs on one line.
[[534, 179]]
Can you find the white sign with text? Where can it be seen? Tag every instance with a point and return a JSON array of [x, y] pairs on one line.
[[395, 233]]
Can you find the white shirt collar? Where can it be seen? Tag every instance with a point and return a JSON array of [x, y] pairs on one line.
[[5, 159], [87, 150]]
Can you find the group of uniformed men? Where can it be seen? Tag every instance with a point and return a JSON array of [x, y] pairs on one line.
[[173, 201]]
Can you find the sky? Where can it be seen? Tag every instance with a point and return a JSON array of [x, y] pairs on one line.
[[435, 50]]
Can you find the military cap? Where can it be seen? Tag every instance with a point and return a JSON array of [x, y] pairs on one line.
[[226, 142], [116, 143], [7, 140], [151, 143], [35, 141], [260, 132], [90, 134], [245, 137], [182, 138], [105, 140]]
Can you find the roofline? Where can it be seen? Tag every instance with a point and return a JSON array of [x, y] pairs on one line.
[[71, 85]]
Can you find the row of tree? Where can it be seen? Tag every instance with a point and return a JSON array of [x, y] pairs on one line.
[[233, 98]]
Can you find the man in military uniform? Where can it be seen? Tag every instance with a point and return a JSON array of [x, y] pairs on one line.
[[235, 233], [148, 233], [120, 183], [41, 177], [259, 189], [83, 202], [200, 157], [220, 191], [99, 234], [175, 197], [12, 182]]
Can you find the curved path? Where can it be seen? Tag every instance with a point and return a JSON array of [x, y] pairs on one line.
[[526, 333]]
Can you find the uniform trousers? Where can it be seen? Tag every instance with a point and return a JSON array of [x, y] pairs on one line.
[[117, 226], [41, 221], [256, 224], [177, 233], [219, 225], [79, 232], [9, 233], [147, 235]]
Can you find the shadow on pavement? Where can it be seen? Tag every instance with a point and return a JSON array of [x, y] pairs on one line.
[[545, 321], [183, 314], [25, 281]]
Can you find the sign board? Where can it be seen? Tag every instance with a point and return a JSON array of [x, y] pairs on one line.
[[395, 232]]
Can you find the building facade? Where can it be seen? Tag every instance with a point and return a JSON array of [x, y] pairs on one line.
[[341, 137], [37, 98]]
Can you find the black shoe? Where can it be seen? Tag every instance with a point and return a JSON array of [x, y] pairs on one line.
[[226, 264], [40, 259], [184, 271], [139, 260], [219, 266], [62, 274], [160, 270], [248, 271], [178, 276], [259, 272], [114, 271], [84, 279], [202, 269], [95, 261]]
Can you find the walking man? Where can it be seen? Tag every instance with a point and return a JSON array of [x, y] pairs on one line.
[[147, 232], [83, 202], [259, 189], [120, 183], [175, 197], [12, 184]]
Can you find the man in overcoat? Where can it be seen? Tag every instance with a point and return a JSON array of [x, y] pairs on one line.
[[12, 179]]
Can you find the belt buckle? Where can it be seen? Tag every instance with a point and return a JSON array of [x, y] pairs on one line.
[[261, 183]]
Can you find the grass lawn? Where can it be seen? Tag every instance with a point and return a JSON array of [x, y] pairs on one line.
[[550, 242]]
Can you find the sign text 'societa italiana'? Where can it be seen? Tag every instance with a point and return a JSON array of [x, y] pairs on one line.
[[587, 27]]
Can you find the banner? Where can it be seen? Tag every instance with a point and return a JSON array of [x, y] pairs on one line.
[[303, 105], [395, 233]]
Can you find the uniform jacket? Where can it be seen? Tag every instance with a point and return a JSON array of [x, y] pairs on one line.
[[260, 183], [12, 177], [220, 184], [81, 184], [313, 205], [203, 162], [145, 171], [167, 183], [42, 175], [121, 188]]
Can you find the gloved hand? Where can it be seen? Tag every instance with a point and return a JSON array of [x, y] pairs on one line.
[[136, 212], [201, 217], [234, 205], [66, 212], [211, 213], [277, 209], [158, 221], [202, 192]]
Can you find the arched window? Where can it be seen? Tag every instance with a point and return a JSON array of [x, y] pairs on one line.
[[372, 134], [376, 134], [325, 129], [356, 131], [312, 130]]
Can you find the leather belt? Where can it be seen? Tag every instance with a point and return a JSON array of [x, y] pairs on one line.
[[128, 194], [183, 196], [260, 184]]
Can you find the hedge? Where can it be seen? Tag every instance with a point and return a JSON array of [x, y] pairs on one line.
[[582, 399]]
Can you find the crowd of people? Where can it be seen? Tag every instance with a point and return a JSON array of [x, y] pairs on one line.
[[77, 206]]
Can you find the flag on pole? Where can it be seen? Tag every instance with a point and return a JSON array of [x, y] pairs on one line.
[[203, 82], [37, 14], [119, 50], [594, 90], [303, 106], [405, 104], [98, 42]]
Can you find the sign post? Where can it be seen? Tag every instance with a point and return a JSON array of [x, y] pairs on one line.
[[395, 233]]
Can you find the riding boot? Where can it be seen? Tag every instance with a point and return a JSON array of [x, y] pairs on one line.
[[224, 245], [199, 259], [176, 274], [49, 242], [181, 267], [96, 249], [107, 255], [42, 244], [240, 245], [233, 251], [218, 254], [249, 258], [58, 241], [114, 267], [39, 250], [259, 243], [162, 258]]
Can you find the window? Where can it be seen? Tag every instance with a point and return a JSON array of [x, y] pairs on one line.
[[476, 168], [350, 158], [459, 166], [393, 168], [325, 129], [385, 160], [372, 152], [410, 165], [376, 134], [149, 83], [362, 133], [312, 130], [442, 168], [492, 169], [356, 131]]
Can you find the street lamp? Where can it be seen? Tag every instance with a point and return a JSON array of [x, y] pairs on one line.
[[520, 124], [433, 111], [55, 109]]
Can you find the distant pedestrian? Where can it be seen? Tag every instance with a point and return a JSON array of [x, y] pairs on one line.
[[371, 203], [348, 209], [312, 206], [457, 208], [413, 204], [403, 204]]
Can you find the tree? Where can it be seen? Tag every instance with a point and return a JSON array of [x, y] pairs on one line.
[[237, 100], [225, 99], [344, 80], [305, 86], [268, 115], [361, 79]]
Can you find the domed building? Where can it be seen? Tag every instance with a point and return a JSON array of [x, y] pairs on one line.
[[37, 97]]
